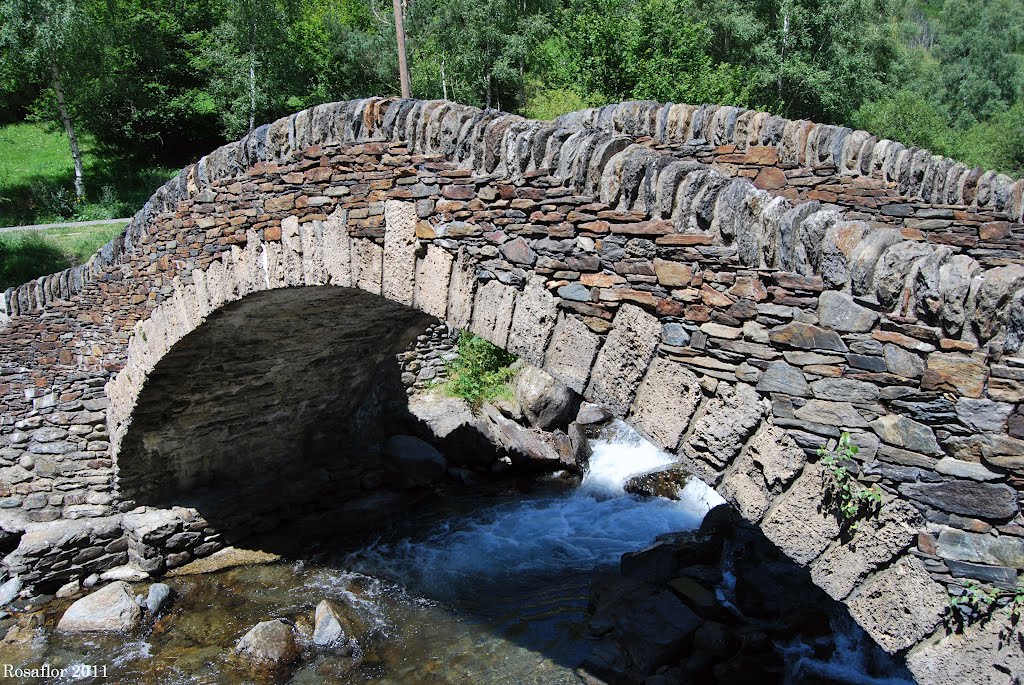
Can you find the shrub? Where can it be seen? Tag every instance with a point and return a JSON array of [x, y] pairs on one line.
[[480, 372]]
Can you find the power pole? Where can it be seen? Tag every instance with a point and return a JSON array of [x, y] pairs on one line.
[[403, 64]]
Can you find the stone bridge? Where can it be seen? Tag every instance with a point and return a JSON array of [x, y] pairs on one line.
[[739, 287]]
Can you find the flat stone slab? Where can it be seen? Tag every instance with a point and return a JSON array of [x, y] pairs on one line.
[[229, 557]]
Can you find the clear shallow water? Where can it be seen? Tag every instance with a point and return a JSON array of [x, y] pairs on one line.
[[494, 596]]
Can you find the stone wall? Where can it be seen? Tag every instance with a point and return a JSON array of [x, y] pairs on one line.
[[737, 328], [425, 363]]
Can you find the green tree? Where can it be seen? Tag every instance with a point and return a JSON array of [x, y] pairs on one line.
[[148, 98], [246, 61], [980, 48], [478, 49], [53, 39], [346, 51], [816, 59], [907, 116], [611, 50]]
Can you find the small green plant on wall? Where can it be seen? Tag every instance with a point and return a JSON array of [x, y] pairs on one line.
[[854, 501], [977, 603], [480, 372]]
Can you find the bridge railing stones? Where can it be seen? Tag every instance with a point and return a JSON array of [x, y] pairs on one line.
[[912, 171], [736, 328]]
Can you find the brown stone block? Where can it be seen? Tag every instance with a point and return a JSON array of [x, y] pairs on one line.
[[959, 345], [279, 204], [771, 178], [672, 273], [653, 227], [956, 373], [795, 281], [595, 227], [763, 155], [683, 240], [822, 196], [713, 298], [601, 280], [697, 312], [459, 192], [272, 233], [994, 230], [669, 307]]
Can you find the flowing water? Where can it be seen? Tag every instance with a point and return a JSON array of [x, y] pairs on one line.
[[485, 591]]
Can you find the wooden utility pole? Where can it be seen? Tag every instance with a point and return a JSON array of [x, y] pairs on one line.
[[403, 64]]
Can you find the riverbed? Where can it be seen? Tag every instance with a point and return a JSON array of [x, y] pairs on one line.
[[481, 587]]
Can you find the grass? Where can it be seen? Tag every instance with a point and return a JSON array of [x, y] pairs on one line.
[[25, 255], [36, 174]]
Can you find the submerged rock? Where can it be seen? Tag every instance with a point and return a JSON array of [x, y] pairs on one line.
[[269, 642], [110, 609], [229, 557], [649, 625], [128, 572]]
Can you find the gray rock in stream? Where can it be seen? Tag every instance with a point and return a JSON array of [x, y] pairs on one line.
[[649, 625], [9, 591], [414, 462], [331, 629], [269, 642], [158, 598], [110, 609], [546, 403]]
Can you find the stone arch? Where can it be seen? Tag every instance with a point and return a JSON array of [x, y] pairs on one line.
[[734, 324]]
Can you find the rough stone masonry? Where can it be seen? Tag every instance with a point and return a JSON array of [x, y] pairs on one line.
[[739, 287]]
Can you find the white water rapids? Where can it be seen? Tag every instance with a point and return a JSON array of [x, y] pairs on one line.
[[588, 528]]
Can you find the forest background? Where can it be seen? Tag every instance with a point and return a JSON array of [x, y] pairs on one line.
[[148, 85]]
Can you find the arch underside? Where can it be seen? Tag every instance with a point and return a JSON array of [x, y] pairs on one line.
[[265, 390]]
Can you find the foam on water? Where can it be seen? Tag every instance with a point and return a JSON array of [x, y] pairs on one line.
[[588, 528], [854, 660]]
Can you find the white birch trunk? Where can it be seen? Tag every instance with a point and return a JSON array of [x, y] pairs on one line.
[[76, 153]]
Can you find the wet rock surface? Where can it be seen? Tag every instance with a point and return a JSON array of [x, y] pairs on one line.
[[269, 642]]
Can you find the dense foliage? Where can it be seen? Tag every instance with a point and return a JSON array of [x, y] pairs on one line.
[[163, 81], [480, 372]]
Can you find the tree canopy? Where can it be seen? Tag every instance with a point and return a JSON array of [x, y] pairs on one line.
[[165, 80]]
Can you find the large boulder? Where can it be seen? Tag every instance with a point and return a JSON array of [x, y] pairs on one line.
[[536, 450], [269, 642], [449, 424], [110, 609], [647, 625], [414, 463], [546, 403]]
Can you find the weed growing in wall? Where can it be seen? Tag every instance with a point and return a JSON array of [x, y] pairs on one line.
[[480, 372], [854, 501]]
